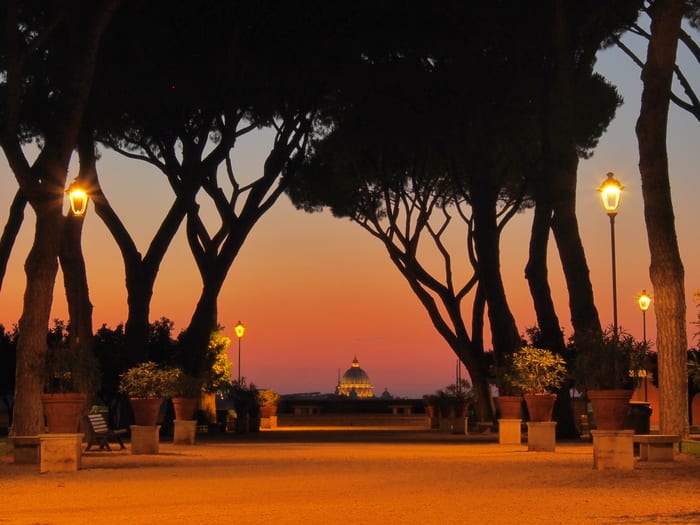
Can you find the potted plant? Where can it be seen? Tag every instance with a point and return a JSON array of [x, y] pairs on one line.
[[147, 384], [509, 401], [68, 375], [268, 400], [245, 401], [606, 373], [185, 391], [534, 372], [453, 403]]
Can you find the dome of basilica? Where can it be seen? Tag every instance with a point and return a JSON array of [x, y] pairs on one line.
[[355, 382]]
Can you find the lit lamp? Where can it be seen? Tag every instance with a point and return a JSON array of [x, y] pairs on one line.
[[644, 301], [240, 330], [78, 199], [610, 192]]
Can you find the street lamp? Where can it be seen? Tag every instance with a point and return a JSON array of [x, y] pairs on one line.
[[240, 330], [610, 192], [644, 301], [78, 198]]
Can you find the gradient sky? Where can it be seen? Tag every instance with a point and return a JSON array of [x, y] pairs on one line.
[[314, 291]]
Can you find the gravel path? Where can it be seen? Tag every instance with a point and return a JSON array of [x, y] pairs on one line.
[[350, 477]]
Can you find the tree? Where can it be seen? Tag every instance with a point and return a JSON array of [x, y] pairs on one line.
[[55, 47], [666, 268], [211, 84], [409, 188]]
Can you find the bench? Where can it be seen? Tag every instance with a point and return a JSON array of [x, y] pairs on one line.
[[100, 434], [656, 447], [484, 427]]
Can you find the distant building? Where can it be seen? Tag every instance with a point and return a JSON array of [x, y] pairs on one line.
[[355, 382]]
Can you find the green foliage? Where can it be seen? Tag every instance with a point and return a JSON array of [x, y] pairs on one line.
[[148, 380], [110, 349], [694, 369], [610, 362], [219, 375], [535, 370], [245, 397], [8, 360], [455, 399], [185, 385], [268, 398], [65, 368]]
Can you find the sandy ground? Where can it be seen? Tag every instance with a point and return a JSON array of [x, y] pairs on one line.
[[350, 477]]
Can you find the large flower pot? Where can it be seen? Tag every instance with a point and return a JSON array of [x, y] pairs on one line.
[[540, 406], [509, 407], [145, 410], [184, 407], [609, 408], [63, 411]]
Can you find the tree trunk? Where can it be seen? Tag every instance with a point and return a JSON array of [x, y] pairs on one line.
[[198, 333], [41, 268], [536, 275], [504, 332], [570, 62], [9, 234], [666, 269], [141, 272], [75, 280]]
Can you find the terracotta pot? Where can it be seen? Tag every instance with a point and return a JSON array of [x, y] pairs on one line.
[[145, 410], [509, 407], [268, 411], [540, 406], [184, 407], [609, 408], [63, 411]]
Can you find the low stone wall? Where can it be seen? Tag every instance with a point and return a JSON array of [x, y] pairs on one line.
[[416, 421]]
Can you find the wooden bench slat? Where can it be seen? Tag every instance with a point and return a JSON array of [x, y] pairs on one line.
[[100, 433]]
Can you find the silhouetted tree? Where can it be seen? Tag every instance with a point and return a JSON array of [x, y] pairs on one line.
[[666, 269], [8, 361], [415, 144], [50, 49]]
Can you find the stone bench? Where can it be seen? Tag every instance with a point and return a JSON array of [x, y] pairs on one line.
[[306, 410], [656, 447]]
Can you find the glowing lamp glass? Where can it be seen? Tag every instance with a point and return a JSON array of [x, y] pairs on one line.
[[78, 201], [610, 192], [644, 301], [239, 329]]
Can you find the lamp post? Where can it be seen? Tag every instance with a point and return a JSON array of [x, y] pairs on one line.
[[240, 330], [610, 192], [644, 300]]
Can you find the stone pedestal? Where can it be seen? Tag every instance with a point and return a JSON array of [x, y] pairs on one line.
[[184, 431], [613, 449], [541, 435], [145, 439], [509, 431], [269, 422], [60, 452], [26, 449]]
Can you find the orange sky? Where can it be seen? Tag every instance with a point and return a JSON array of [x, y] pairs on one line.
[[314, 291]]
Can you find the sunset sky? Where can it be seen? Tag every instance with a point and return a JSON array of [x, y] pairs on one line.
[[314, 291]]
